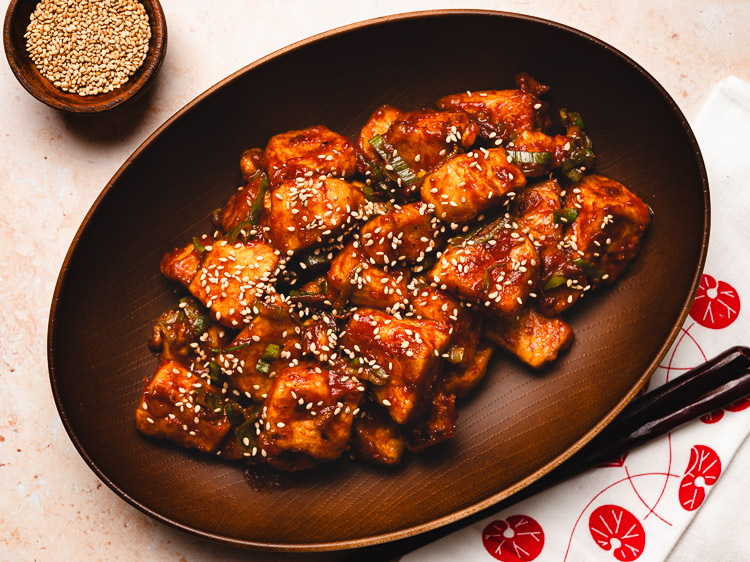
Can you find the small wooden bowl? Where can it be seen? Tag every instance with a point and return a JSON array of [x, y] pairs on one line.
[[16, 22]]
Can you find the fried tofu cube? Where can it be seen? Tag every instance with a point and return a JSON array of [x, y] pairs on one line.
[[407, 350], [495, 269], [361, 283], [376, 438], [311, 212], [311, 152], [231, 278], [261, 350], [309, 412], [469, 184], [181, 264], [180, 406], [532, 337], [500, 113], [610, 226], [378, 124], [462, 379], [425, 137], [437, 425], [407, 234]]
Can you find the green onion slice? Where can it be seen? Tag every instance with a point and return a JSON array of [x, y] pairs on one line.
[[565, 215], [527, 157], [554, 281], [234, 413], [456, 354], [214, 372], [245, 435], [198, 246], [262, 366], [589, 268], [399, 165], [271, 352], [378, 376]]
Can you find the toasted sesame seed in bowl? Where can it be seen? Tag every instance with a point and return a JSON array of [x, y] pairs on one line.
[[85, 56]]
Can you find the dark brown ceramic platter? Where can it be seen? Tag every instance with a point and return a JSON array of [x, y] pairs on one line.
[[518, 425]]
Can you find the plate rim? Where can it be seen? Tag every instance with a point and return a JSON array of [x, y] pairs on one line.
[[478, 506]]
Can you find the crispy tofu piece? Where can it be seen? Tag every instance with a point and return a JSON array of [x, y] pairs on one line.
[[311, 152], [461, 380], [251, 162], [610, 226], [469, 184], [376, 438], [312, 212], [231, 278], [532, 337], [309, 412], [464, 325], [244, 359], [181, 264], [536, 210], [426, 137], [499, 113], [437, 425], [494, 269], [361, 283], [171, 409], [408, 350], [378, 124], [237, 209], [406, 234]]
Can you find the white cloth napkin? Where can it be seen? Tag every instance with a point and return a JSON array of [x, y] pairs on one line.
[[638, 507]]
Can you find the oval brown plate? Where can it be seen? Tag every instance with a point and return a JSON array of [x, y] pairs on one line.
[[518, 425]]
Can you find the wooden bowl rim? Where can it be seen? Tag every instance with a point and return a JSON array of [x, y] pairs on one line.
[[491, 500], [65, 102]]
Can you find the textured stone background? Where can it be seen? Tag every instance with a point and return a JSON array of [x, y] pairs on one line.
[[52, 168]]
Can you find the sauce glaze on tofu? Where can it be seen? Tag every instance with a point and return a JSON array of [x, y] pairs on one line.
[[354, 289]]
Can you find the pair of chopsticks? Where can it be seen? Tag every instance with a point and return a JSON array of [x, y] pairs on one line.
[[704, 389]]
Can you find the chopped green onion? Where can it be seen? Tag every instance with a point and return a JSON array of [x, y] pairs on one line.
[[198, 246], [208, 400], [245, 435], [488, 275], [271, 352], [378, 376], [214, 372], [491, 233], [589, 268], [389, 156], [234, 413], [456, 354], [570, 118], [346, 290], [532, 163], [565, 215], [262, 366], [199, 321], [554, 281]]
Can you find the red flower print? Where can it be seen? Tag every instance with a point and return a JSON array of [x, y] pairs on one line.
[[703, 470], [518, 538], [613, 527], [716, 304], [739, 405], [713, 417]]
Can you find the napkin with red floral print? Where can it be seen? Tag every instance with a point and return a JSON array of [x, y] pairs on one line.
[[637, 507]]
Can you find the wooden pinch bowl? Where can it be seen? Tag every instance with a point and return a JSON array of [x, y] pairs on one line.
[[16, 22]]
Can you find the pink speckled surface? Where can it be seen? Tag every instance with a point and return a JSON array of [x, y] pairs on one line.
[[52, 167]]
